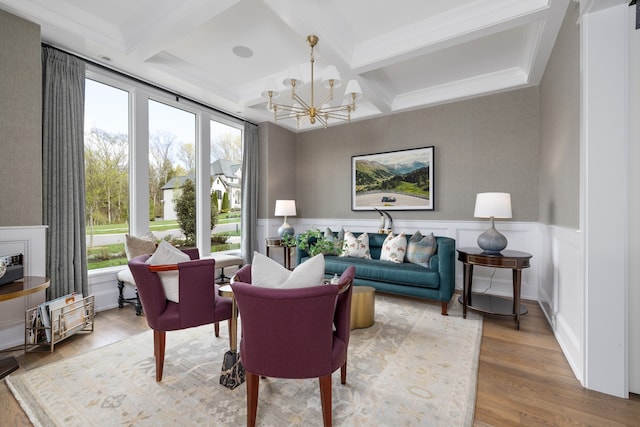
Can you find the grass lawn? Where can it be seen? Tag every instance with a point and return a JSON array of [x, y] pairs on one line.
[[159, 225], [114, 254]]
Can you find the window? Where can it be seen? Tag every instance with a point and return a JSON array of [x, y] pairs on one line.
[[172, 162], [226, 171], [106, 156], [143, 148]]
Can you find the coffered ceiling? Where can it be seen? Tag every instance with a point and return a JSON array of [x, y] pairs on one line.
[[406, 54]]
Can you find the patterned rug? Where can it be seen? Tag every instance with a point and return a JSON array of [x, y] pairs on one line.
[[412, 367]]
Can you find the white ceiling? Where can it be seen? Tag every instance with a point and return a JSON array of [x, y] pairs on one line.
[[406, 54]]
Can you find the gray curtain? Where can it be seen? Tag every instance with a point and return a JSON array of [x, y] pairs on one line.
[[63, 171], [249, 218]]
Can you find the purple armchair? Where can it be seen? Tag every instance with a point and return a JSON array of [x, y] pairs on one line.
[[289, 333], [199, 300]]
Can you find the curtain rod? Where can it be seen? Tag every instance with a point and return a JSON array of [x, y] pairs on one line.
[[146, 83]]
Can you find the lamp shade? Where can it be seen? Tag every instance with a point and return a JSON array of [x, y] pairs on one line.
[[293, 75], [353, 88], [285, 208], [270, 88], [496, 205], [331, 74]]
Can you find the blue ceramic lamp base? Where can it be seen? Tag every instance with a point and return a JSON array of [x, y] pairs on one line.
[[285, 228], [491, 241]]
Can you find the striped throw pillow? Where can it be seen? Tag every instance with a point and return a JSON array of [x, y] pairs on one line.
[[421, 248]]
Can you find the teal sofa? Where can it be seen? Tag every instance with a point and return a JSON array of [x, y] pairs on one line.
[[436, 282]]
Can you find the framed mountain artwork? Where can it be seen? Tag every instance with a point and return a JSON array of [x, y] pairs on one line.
[[393, 180]]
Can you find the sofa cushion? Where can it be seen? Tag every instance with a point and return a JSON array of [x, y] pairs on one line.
[[167, 254], [356, 247], [384, 271], [421, 248], [268, 273], [394, 248]]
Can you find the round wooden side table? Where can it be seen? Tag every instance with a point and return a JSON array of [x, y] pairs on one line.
[[491, 304]]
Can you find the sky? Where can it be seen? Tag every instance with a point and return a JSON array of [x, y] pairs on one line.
[[106, 108]]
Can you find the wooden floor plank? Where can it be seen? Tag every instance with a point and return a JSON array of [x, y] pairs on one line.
[[524, 379]]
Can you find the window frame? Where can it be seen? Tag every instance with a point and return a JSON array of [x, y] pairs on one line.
[[138, 129]]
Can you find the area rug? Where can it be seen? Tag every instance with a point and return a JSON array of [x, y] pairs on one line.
[[412, 367]]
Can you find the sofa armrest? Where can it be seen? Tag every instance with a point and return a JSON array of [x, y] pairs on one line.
[[445, 258]]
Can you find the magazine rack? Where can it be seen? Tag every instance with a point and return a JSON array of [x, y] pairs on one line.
[[63, 322]]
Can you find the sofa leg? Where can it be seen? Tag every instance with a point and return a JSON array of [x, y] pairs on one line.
[[445, 307]]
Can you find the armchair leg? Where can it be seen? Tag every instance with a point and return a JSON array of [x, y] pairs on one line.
[[343, 373], [159, 341], [252, 398], [325, 397], [216, 328]]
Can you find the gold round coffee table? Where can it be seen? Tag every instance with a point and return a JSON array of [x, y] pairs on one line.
[[363, 306]]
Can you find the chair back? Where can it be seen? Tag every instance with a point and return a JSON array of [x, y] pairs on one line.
[[152, 295], [289, 333], [286, 333], [198, 293]]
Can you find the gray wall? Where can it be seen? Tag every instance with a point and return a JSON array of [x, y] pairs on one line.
[[20, 122], [277, 148], [559, 199], [489, 143]]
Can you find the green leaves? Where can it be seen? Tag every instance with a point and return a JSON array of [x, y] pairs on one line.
[[314, 242]]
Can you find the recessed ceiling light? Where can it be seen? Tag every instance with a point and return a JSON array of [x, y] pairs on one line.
[[104, 58], [242, 52]]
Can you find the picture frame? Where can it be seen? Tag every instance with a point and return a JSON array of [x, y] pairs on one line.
[[393, 180]]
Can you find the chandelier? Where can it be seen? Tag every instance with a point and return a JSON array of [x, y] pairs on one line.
[[303, 111]]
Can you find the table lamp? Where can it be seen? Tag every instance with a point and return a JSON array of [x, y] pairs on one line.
[[492, 205], [285, 208]]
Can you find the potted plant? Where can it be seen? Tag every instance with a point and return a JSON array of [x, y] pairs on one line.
[[314, 242]]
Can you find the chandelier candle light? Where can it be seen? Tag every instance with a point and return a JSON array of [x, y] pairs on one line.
[[285, 208], [311, 111], [492, 205]]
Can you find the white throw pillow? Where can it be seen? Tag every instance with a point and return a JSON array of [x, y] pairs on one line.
[[268, 273], [167, 254], [394, 248], [356, 247]]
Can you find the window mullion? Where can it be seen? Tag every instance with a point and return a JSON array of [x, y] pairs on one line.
[[203, 186], [139, 162]]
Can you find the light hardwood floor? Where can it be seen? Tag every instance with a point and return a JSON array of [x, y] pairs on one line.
[[523, 377]]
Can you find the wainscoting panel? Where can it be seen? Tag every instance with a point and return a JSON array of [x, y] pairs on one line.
[[561, 293], [103, 286]]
